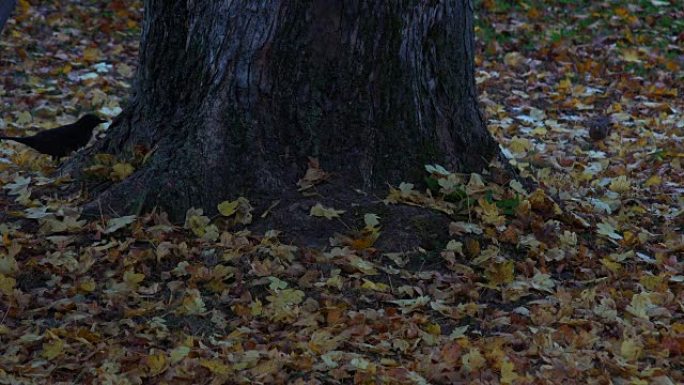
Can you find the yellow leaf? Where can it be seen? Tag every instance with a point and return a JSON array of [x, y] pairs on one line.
[[156, 363], [53, 349], [327, 212], [195, 221], [500, 273], [283, 305], [630, 55], [630, 238], [133, 279], [410, 305], [640, 305], [653, 282], [630, 349], [91, 54], [244, 211], [240, 209], [375, 286], [24, 118], [678, 327], [124, 70], [508, 374], [24, 7], [98, 171], [8, 265], [192, 303], [473, 360], [513, 59], [459, 333], [216, 366], [104, 159], [267, 367], [277, 284], [565, 85], [540, 131], [490, 213], [434, 329], [228, 208], [179, 353], [115, 224], [652, 181], [362, 265], [256, 308], [121, 171], [543, 282], [287, 297], [321, 341], [519, 145], [7, 284], [620, 184], [360, 363], [611, 265], [88, 285], [608, 230]]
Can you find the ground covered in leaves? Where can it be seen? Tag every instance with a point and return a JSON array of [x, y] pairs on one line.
[[580, 281]]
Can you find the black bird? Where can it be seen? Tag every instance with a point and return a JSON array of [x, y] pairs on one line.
[[61, 141]]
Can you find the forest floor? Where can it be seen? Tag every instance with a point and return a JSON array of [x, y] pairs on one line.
[[578, 282]]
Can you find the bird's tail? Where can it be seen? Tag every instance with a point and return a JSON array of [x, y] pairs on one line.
[[25, 141], [12, 138]]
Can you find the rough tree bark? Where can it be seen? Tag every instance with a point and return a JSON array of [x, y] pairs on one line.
[[235, 95]]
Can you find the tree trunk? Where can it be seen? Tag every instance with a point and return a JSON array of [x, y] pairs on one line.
[[6, 7], [234, 96]]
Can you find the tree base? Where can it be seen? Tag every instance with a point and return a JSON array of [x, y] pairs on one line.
[[403, 228]]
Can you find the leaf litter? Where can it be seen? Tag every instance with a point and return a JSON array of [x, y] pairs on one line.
[[577, 281]]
